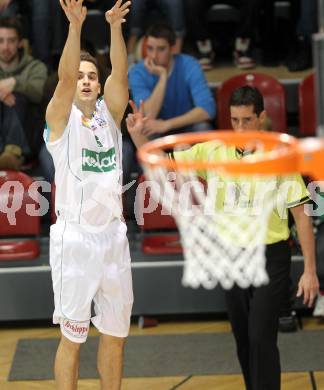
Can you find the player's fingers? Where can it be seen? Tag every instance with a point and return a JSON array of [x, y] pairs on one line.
[[306, 296], [130, 122], [141, 108], [117, 4], [133, 105], [300, 291], [148, 132], [125, 5], [311, 299], [63, 4], [125, 12], [130, 117]]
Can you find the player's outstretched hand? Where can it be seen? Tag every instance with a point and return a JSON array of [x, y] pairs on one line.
[[74, 11], [116, 15], [136, 120]]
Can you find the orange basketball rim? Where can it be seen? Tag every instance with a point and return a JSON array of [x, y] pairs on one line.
[[288, 154]]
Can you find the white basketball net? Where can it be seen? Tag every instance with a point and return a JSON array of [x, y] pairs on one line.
[[223, 245]]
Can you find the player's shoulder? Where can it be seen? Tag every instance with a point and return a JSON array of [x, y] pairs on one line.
[[102, 111], [101, 106], [100, 103]]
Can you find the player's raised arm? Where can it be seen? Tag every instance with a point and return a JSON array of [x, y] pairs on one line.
[[116, 86], [59, 108]]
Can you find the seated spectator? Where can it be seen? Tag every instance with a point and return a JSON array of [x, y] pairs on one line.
[[42, 15], [301, 56], [196, 16], [13, 143], [173, 12], [8, 8], [46, 29], [174, 90], [22, 80], [298, 40], [47, 16], [197, 22], [173, 87]]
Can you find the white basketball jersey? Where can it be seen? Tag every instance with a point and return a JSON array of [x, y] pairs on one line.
[[88, 170]]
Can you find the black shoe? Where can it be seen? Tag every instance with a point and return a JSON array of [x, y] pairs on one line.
[[288, 323], [302, 58], [206, 54], [243, 54]]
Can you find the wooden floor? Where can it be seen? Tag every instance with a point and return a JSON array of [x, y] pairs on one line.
[[290, 381]]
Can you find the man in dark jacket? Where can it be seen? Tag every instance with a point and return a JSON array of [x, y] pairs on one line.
[[22, 80]]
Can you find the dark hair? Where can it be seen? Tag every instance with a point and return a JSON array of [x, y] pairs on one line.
[[85, 56], [248, 96], [12, 23], [162, 30]]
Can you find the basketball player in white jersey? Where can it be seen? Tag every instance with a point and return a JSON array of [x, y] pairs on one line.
[[89, 252]]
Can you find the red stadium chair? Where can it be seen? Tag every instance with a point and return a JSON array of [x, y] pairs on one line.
[[18, 224], [158, 243], [307, 106], [273, 93]]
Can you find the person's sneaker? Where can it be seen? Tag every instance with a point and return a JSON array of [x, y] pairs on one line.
[[206, 54], [242, 54], [319, 306], [302, 57], [288, 323]]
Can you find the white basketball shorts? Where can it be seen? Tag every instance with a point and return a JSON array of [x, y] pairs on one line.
[[90, 267]]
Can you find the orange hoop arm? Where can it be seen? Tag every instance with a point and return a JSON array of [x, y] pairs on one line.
[[304, 156]]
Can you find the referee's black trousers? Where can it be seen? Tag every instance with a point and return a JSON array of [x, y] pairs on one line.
[[254, 316]]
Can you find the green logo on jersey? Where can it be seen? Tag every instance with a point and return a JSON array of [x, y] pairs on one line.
[[98, 161]]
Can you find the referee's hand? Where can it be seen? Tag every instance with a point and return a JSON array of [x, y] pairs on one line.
[[309, 287]]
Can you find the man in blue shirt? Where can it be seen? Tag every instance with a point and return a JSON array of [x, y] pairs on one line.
[[174, 90], [173, 87]]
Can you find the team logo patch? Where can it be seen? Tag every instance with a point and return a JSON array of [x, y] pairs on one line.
[[100, 121], [98, 161], [88, 123], [94, 122], [76, 329]]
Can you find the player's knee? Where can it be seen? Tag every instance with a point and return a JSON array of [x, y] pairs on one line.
[[69, 345], [115, 344], [119, 342]]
